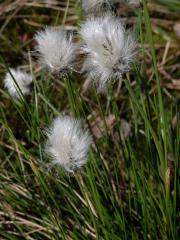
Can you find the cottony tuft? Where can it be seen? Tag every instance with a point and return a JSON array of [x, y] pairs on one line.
[[109, 49], [68, 143], [17, 81], [56, 49]]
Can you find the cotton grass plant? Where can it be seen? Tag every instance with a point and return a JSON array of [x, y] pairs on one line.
[[17, 82], [56, 50], [118, 187], [68, 143], [109, 48]]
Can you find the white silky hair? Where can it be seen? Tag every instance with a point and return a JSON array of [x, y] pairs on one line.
[[17, 78], [109, 49], [56, 49], [68, 143]]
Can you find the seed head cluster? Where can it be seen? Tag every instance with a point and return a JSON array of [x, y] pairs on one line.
[[68, 143], [17, 81], [56, 49], [109, 49], [108, 52]]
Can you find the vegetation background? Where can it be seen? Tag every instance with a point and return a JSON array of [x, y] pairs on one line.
[[130, 188]]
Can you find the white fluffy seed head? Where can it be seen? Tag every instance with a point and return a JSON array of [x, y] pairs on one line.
[[17, 82], [68, 143], [56, 49], [109, 49]]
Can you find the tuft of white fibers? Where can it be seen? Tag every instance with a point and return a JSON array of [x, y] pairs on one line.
[[109, 49], [68, 143], [56, 49], [17, 81]]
